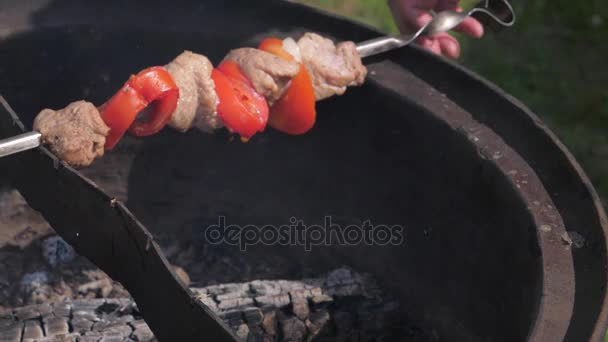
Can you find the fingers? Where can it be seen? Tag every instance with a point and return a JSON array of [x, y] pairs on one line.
[[430, 44], [441, 44], [411, 15], [449, 45], [470, 26]]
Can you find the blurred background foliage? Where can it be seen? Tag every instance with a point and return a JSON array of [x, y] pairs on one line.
[[552, 60]]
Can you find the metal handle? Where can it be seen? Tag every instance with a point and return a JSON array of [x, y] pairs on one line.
[[495, 14]]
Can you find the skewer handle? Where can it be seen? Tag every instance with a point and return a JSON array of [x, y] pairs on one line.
[[496, 14], [19, 143]]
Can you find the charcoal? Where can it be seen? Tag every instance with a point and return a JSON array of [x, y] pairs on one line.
[[253, 315], [258, 311], [269, 323], [54, 326], [81, 325], [32, 331], [11, 333], [316, 322], [299, 307], [6, 323], [242, 331], [141, 331], [293, 329], [27, 312], [62, 309]]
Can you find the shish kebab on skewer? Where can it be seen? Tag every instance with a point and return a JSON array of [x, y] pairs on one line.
[[276, 84], [287, 75], [188, 93]]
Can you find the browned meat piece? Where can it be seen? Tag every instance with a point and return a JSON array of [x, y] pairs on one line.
[[331, 67], [348, 51], [76, 133], [269, 74], [198, 100]]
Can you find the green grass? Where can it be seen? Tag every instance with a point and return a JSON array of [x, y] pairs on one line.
[[553, 60], [372, 12]]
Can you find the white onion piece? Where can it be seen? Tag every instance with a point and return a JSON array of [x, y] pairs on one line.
[[292, 47]]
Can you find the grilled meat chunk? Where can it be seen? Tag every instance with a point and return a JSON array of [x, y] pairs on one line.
[[331, 67], [269, 74], [76, 133], [198, 100]]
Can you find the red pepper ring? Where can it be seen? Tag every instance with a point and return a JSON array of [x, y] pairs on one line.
[[157, 87], [120, 111], [150, 85]]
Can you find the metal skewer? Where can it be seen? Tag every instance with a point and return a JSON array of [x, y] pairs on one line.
[[498, 12], [20, 143]]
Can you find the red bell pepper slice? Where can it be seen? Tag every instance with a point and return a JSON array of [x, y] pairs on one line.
[[242, 109], [294, 113], [157, 86], [151, 86]]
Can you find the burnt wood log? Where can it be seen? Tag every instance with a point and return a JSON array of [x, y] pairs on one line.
[[339, 306]]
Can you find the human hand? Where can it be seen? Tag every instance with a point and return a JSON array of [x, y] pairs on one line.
[[411, 15]]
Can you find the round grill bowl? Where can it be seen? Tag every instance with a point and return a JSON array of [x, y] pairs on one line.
[[485, 192]]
